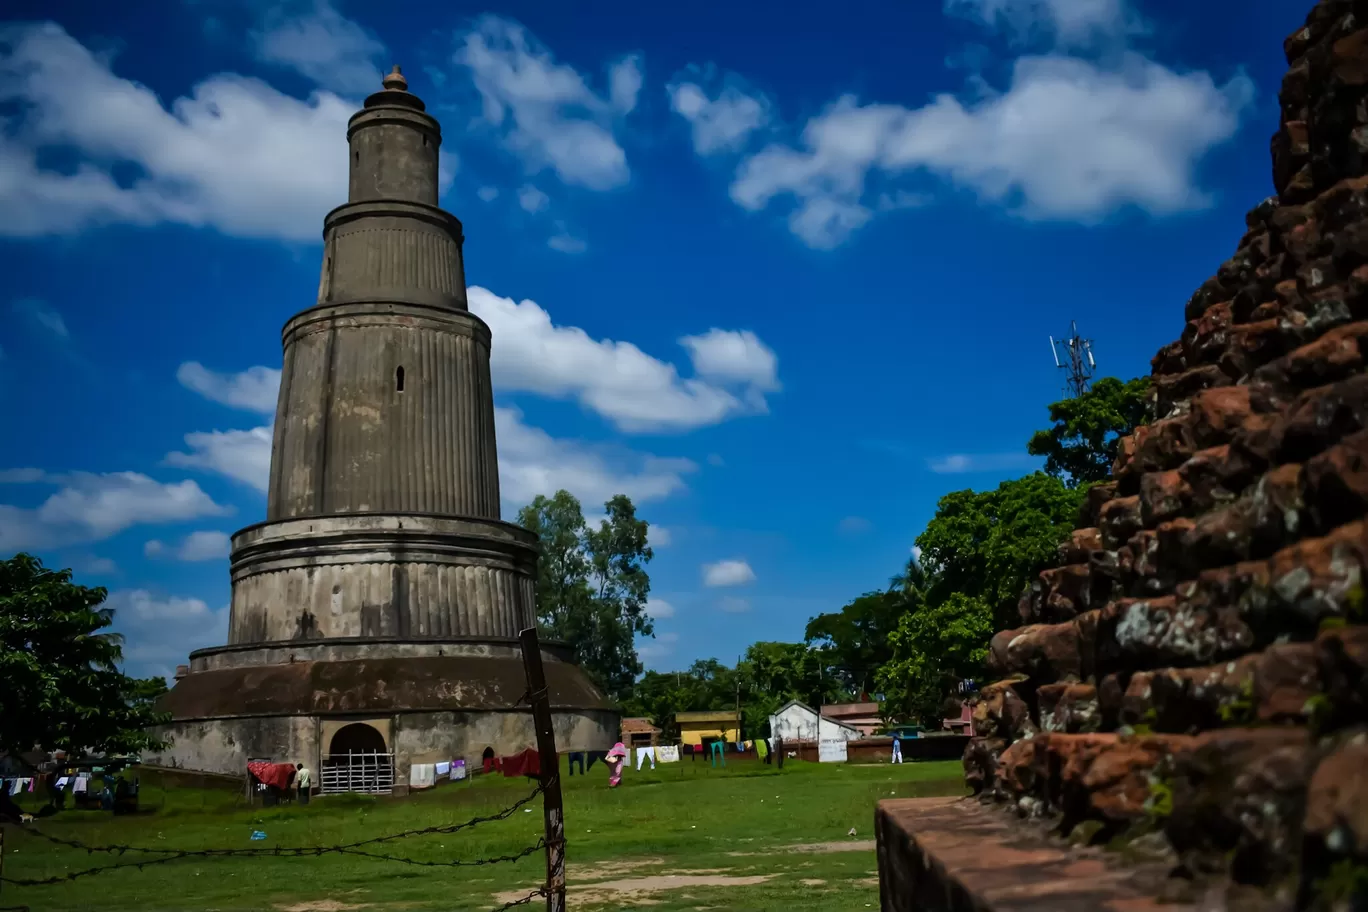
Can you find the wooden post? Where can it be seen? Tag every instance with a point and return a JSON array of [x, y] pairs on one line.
[[553, 810]]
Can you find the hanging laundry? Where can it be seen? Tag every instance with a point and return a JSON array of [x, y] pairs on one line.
[[62, 781], [645, 753], [422, 775], [80, 784], [761, 749], [444, 769], [458, 769], [276, 774], [594, 757], [668, 753], [526, 763]]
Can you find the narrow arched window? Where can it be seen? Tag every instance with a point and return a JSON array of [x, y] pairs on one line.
[[399, 379]]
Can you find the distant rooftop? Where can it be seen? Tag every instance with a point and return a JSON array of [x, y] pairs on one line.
[[724, 715]]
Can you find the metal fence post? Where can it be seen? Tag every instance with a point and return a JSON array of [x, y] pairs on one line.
[[553, 810]]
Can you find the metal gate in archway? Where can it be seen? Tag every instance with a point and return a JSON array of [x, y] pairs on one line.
[[368, 772]]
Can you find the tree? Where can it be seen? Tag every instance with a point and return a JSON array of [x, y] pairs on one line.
[[1081, 445], [934, 648], [59, 666], [853, 643], [592, 584], [989, 545]]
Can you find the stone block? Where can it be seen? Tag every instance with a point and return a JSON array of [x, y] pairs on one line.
[[1070, 708], [1238, 798]]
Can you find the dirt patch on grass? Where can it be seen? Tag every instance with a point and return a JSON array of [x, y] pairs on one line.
[[603, 869], [322, 905], [813, 882], [640, 890], [816, 848]]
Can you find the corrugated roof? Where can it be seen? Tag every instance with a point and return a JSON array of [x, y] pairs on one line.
[[713, 715], [850, 709]]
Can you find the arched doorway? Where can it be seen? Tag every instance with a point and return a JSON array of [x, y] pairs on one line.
[[358, 761], [357, 738]]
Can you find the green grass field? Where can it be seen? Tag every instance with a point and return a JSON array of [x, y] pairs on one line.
[[682, 837]]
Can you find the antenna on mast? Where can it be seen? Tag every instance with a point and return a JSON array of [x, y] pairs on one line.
[[1077, 361]]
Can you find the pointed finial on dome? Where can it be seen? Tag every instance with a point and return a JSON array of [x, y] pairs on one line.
[[395, 80]]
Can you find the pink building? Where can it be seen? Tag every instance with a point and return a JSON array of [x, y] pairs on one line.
[[963, 724]]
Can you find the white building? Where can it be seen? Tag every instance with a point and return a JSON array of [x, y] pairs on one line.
[[796, 721]]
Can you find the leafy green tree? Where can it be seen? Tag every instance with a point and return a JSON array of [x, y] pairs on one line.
[[853, 643], [1081, 445], [59, 664], [934, 647], [989, 545], [592, 584]]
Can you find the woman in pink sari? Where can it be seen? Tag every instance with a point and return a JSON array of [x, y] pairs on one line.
[[616, 760]]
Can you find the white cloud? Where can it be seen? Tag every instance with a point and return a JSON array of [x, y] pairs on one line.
[[161, 631], [727, 573], [1067, 22], [204, 545], [544, 110], [658, 647], [659, 609], [40, 313], [854, 525], [1068, 140], [722, 123], [531, 199], [92, 507], [733, 605], [235, 155], [659, 536], [566, 242], [532, 462], [254, 389], [324, 46], [488, 194], [733, 370], [244, 456], [624, 84], [154, 548], [960, 463], [728, 356], [716, 460]]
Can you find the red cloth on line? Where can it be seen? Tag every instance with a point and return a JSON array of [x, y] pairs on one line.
[[526, 763], [277, 774]]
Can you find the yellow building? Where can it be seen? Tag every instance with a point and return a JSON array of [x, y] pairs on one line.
[[696, 727]]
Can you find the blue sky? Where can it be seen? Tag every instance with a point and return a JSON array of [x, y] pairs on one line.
[[784, 277]]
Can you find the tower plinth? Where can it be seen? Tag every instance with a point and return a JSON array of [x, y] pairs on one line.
[[383, 581]]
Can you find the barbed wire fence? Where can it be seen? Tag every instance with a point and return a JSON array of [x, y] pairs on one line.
[[548, 787]]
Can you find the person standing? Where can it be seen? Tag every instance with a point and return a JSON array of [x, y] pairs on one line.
[[303, 781], [897, 748]]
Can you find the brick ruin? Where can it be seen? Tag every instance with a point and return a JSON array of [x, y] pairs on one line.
[[1189, 684]]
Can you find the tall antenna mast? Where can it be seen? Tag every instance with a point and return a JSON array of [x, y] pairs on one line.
[[1074, 356]]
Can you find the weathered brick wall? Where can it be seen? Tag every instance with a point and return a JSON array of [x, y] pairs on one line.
[[1196, 665]]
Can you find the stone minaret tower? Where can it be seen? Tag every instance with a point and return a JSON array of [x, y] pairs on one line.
[[383, 576]]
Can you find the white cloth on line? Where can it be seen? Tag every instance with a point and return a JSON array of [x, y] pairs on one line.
[[668, 753], [645, 753], [422, 775], [62, 781], [444, 768], [15, 786]]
